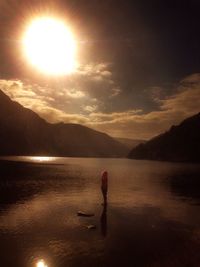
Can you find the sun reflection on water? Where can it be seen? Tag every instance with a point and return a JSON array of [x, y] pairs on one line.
[[41, 263], [41, 158]]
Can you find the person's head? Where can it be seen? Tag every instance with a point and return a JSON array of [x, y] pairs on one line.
[[104, 174]]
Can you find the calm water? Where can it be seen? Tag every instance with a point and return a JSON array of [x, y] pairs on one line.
[[152, 218]]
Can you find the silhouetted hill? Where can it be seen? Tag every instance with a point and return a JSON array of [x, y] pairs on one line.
[[23, 132], [129, 143], [180, 143]]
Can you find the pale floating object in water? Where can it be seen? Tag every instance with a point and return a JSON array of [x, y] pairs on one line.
[[84, 214], [91, 227]]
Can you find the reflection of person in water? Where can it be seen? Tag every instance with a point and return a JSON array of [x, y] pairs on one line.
[[104, 186], [104, 221]]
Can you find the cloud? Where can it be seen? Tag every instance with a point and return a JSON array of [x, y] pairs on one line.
[[54, 115], [90, 108], [184, 103], [84, 99], [75, 94], [90, 86]]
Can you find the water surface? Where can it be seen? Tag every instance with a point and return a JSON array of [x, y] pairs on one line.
[[152, 218]]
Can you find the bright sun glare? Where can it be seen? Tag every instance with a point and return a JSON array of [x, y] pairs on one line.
[[49, 45], [41, 263]]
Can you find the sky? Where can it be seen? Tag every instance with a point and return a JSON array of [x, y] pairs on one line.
[[139, 64]]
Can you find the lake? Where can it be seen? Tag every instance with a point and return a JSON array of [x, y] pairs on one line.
[[152, 217]]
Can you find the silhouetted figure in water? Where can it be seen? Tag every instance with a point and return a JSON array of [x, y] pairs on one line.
[[104, 221], [104, 186]]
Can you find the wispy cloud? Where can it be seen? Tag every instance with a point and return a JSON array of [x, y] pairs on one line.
[[91, 85], [83, 100], [184, 103]]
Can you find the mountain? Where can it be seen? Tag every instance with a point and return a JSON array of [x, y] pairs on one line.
[[23, 132], [180, 143], [129, 143]]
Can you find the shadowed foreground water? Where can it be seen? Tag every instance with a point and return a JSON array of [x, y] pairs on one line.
[[152, 217]]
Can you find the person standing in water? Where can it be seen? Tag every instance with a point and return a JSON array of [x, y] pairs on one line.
[[103, 221], [104, 186]]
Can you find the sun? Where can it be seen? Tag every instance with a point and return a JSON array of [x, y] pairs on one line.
[[49, 45]]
